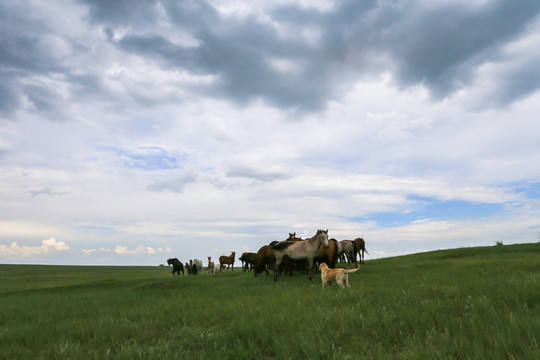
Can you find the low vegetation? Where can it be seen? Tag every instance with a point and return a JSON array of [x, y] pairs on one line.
[[474, 303]]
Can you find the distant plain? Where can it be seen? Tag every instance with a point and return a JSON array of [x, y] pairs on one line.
[[469, 303]]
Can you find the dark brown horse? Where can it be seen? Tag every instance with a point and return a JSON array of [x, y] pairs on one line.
[[360, 248], [297, 250], [226, 260], [193, 267], [248, 260], [177, 266]]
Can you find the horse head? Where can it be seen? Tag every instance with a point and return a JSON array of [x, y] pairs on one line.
[[324, 235]]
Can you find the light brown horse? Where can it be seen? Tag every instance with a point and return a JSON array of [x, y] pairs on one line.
[[226, 260], [211, 267], [361, 248], [306, 249]]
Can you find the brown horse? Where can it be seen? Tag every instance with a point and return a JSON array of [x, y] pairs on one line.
[[306, 249], [361, 248], [265, 257], [328, 254], [292, 237], [226, 260]]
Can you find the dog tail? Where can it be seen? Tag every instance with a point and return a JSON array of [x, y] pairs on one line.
[[353, 270]]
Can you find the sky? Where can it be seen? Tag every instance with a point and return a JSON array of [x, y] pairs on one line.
[[136, 131]]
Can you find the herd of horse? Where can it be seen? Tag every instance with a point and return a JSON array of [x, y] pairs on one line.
[[289, 255]]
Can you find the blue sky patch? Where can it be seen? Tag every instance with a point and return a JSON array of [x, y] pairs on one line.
[[431, 208], [531, 190], [151, 158]]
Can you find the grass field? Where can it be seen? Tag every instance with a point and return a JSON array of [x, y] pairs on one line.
[[474, 303]]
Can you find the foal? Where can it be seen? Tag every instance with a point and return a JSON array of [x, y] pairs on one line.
[[210, 269]]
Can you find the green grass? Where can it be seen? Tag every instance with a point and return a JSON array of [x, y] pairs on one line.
[[475, 303]]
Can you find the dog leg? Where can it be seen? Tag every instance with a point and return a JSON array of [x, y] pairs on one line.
[[339, 280]]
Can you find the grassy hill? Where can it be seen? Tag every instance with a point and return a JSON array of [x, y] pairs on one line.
[[463, 303]]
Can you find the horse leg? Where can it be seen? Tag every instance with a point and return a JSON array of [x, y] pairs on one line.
[[310, 269], [276, 267]]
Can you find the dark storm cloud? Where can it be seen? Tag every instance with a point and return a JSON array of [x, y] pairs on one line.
[[441, 46], [238, 53], [437, 45], [294, 58], [122, 12], [20, 54]]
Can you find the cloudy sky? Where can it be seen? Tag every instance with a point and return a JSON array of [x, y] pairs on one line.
[[135, 131]]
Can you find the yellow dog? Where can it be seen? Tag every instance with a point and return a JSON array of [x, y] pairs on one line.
[[339, 275]]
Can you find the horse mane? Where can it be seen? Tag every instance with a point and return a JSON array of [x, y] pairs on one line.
[[281, 245]]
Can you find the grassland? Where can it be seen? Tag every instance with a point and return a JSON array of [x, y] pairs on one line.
[[474, 303]]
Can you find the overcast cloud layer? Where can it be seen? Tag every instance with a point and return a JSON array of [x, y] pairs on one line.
[[135, 131]]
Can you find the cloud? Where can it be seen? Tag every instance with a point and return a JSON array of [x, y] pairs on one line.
[[176, 184], [442, 44], [45, 191], [49, 246], [291, 56], [139, 250], [256, 174]]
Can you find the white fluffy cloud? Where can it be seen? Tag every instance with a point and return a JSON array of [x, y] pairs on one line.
[[49, 246]]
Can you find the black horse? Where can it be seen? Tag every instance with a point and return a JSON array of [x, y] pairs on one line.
[[177, 266]]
